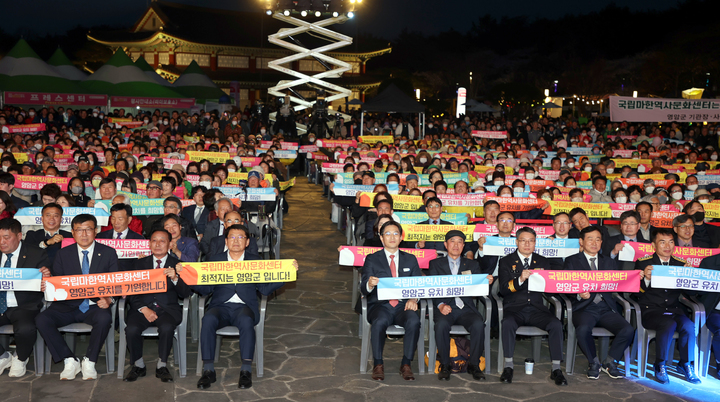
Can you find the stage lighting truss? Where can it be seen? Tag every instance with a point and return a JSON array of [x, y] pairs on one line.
[[336, 68], [311, 8]]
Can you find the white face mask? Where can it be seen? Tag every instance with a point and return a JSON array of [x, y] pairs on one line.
[[518, 190], [713, 157], [577, 199], [610, 170], [635, 198], [592, 128], [546, 198], [357, 160], [687, 160], [704, 201], [692, 187], [641, 169], [430, 125], [621, 200], [95, 115], [337, 154], [206, 184], [231, 170], [498, 183], [649, 189], [588, 169], [146, 121], [506, 195], [423, 160], [31, 114], [677, 195], [262, 131], [571, 165], [165, 122], [443, 165], [529, 176]]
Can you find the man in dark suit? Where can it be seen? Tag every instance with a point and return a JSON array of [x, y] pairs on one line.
[[217, 245], [591, 309], [120, 216], [711, 301], [232, 304], [458, 310], [84, 257], [709, 234], [198, 213], [215, 227], [19, 308], [433, 207], [388, 263], [645, 209], [523, 307], [684, 228], [662, 312], [580, 221], [155, 309], [630, 228], [50, 237], [7, 184]]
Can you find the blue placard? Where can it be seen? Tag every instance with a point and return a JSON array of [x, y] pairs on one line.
[[433, 286]]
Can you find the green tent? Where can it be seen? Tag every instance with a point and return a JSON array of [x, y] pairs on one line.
[[121, 77], [193, 83], [65, 67], [22, 70], [142, 64]]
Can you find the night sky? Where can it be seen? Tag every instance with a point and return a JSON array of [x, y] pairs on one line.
[[384, 18]]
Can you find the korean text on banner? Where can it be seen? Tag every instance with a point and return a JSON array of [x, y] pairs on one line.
[[549, 248], [584, 281], [20, 279], [33, 215], [432, 286], [140, 207], [625, 108], [59, 288], [232, 272], [435, 232], [485, 230], [125, 248], [633, 251], [514, 204], [351, 256], [26, 182], [593, 210], [698, 279], [213, 157], [400, 202]]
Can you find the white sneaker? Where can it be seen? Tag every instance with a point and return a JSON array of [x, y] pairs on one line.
[[88, 370], [18, 367], [72, 368], [5, 362]]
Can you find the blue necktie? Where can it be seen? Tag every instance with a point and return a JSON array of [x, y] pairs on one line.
[[85, 305], [3, 294]]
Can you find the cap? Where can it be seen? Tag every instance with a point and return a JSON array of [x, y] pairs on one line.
[[369, 173], [83, 158], [29, 164], [255, 174], [47, 159], [700, 192], [411, 177], [72, 166], [154, 182], [454, 233], [564, 171], [712, 186]]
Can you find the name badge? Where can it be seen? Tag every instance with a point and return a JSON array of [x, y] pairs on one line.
[[406, 269], [468, 272]]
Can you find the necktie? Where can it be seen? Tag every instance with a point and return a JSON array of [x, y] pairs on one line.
[[458, 301], [3, 294], [85, 305], [598, 298], [393, 271], [435, 222], [118, 235], [158, 266], [527, 264], [666, 263], [198, 212]]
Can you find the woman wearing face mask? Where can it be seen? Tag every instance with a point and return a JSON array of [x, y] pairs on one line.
[[76, 188], [619, 195], [545, 194], [505, 191], [634, 194], [569, 182], [577, 195]]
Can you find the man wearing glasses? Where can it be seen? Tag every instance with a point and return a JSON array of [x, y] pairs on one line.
[[217, 245], [684, 227], [386, 263], [232, 304], [82, 258], [630, 231], [433, 207], [523, 307], [600, 309]]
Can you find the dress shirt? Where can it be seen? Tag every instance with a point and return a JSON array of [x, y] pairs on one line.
[[397, 268], [682, 243], [522, 261], [90, 251], [123, 236], [10, 296], [235, 298]]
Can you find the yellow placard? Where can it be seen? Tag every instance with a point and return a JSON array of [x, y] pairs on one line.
[[593, 210], [400, 202], [712, 210], [234, 272], [435, 232], [20, 157], [213, 157], [374, 139], [284, 185], [235, 177], [633, 163]]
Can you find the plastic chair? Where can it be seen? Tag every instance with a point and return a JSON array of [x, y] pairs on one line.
[[535, 332], [38, 350], [233, 331], [393, 330], [82, 328], [644, 336], [459, 330], [179, 343], [599, 332]]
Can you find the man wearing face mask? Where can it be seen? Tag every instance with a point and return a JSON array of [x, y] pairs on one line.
[[704, 232]]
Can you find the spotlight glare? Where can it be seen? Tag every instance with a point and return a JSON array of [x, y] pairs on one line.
[[350, 14], [286, 13], [318, 13], [268, 12], [303, 13], [335, 14]]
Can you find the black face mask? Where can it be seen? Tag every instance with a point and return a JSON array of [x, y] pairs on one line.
[[699, 216], [358, 181]]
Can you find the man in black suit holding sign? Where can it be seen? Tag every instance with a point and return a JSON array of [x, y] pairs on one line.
[[598, 308], [390, 262], [155, 309], [523, 307], [458, 310], [19, 308], [50, 237], [84, 257]]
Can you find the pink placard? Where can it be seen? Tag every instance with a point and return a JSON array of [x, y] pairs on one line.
[[489, 134], [633, 251], [44, 98], [135, 101], [484, 230], [583, 281], [355, 256], [24, 128], [38, 182]]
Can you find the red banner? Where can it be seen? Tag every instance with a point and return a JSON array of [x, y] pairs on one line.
[[38, 182], [515, 204], [355, 256], [24, 128], [166, 103], [59, 288], [43, 98]]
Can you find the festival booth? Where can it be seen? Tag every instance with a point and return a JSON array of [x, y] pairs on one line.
[[393, 100], [60, 62], [193, 83], [142, 64]]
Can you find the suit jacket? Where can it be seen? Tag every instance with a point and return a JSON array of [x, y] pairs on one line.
[[708, 234], [168, 300], [701, 243], [35, 237], [67, 262], [609, 245], [710, 299], [655, 298], [376, 264], [245, 291], [31, 256], [19, 202], [489, 262], [434, 245], [217, 246], [578, 262], [211, 231], [189, 248], [110, 234], [189, 214], [441, 266], [517, 296]]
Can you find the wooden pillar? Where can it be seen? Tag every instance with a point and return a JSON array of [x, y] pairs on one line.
[[213, 61], [252, 65], [156, 59], [171, 56], [251, 96], [362, 67]]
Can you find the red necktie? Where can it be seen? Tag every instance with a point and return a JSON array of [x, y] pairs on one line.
[[393, 271], [159, 262]]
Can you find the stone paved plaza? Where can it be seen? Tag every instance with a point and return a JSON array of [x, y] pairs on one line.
[[312, 349]]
